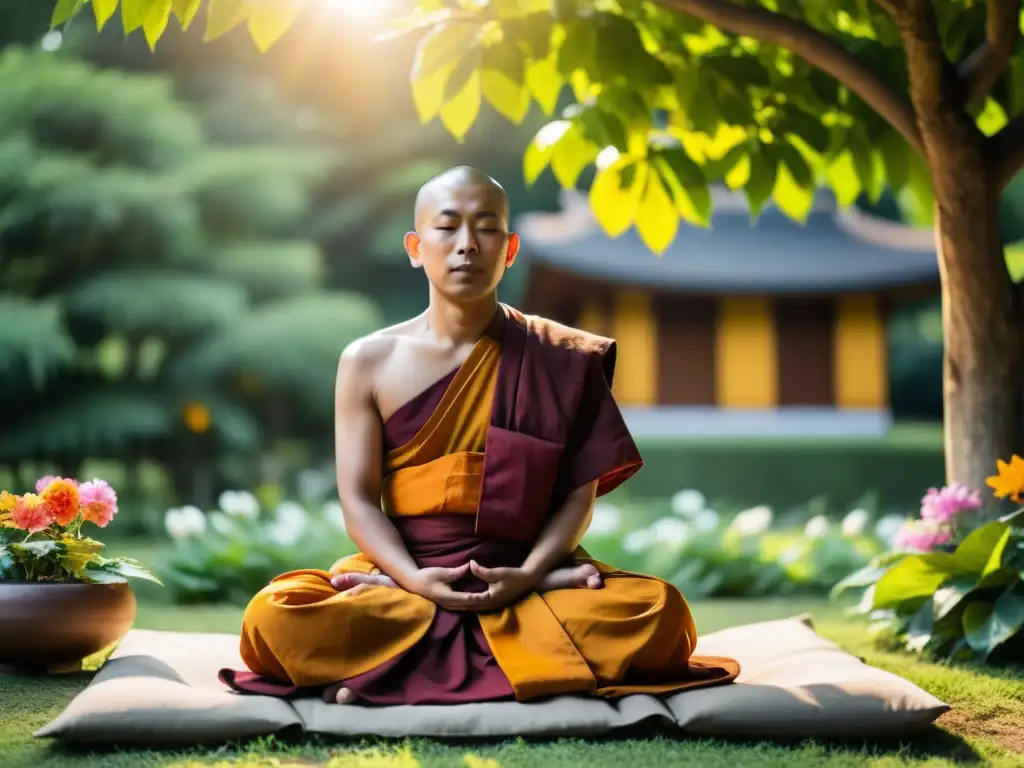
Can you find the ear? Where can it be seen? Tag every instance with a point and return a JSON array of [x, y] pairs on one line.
[[412, 247], [513, 249]]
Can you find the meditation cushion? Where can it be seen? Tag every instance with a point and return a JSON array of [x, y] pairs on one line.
[[161, 689]]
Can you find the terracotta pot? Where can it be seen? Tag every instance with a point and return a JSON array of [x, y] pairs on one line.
[[45, 626]]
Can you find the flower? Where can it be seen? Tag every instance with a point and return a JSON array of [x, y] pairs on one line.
[[855, 523], [669, 530], [239, 504], [816, 528], [606, 520], [1010, 480], [290, 522], [31, 513], [923, 535], [687, 503], [752, 522], [44, 481], [99, 502], [706, 520], [942, 506], [63, 498], [334, 515], [184, 522], [7, 501], [637, 541]]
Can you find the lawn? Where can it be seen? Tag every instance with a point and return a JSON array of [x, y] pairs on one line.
[[984, 726]]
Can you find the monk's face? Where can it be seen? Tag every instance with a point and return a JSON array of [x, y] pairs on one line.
[[462, 240]]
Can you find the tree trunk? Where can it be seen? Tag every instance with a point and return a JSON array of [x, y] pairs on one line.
[[983, 321]]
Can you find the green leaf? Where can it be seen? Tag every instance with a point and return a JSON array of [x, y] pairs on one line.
[[538, 152], [981, 551], [863, 158], [623, 55], [688, 184], [156, 22], [269, 21], [915, 577], [65, 10], [571, 154], [656, 218], [986, 627], [808, 127], [615, 194], [104, 11], [761, 181], [545, 82], [792, 198], [126, 567], [223, 16], [951, 594], [531, 33], [842, 175], [919, 630], [101, 576], [578, 48], [795, 163], [186, 11], [896, 157], [40, 548], [133, 14]]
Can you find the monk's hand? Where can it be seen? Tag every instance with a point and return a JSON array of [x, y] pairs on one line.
[[435, 584], [504, 585]]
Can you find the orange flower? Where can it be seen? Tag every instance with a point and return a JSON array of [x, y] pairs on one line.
[[7, 502], [1010, 480], [64, 499], [31, 513]]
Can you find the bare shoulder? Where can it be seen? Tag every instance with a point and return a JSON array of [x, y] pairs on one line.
[[363, 359]]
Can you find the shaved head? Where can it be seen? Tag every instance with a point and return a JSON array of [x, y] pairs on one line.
[[461, 177]]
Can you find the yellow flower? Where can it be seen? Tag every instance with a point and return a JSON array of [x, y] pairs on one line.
[[7, 502], [1010, 480]]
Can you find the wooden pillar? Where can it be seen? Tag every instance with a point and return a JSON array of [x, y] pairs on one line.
[[746, 352], [635, 329], [861, 374]]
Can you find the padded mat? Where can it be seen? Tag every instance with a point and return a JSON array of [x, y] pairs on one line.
[[161, 689]]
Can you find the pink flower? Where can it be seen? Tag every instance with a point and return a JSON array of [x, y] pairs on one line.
[[99, 502], [941, 506], [923, 535], [31, 513], [44, 481]]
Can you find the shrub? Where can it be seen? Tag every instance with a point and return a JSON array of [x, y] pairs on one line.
[[953, 584], [229, 554]]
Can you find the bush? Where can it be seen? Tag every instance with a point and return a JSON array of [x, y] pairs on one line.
[[229, 554], [708, 554], [953, 583]]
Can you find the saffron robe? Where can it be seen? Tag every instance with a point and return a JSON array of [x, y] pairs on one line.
[[474, 466]]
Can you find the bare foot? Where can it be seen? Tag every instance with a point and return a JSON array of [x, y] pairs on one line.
[[346, 581], [345, 696], [585, 575]]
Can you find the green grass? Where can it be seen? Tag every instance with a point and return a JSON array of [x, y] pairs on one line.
[[983, 727]]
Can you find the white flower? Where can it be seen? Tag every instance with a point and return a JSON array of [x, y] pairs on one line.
[[334, 515], [687, 503], [670, 530], [855, 522], [637, 541], [817, 527], [752, 522], [221, 523], [706, 520], [606, 520], [184, 522], [289, 524], [887, 528], [314, 483], [239, 504]]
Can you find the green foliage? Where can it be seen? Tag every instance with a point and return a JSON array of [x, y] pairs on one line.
[[32, 339], [229, 555], [963, 603]]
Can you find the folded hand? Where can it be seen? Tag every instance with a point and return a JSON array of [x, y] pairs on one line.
[[504, 585]]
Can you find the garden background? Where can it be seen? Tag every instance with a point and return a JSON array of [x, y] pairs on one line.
[[190, 235]]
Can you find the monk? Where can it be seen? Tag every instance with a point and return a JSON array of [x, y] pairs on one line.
[[472, 442]]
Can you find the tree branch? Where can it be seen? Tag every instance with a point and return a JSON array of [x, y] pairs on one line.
[[1006, 153], [816, 49], [980, 70]]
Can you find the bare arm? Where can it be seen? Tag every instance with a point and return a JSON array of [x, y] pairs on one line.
[[358, 444], [563, 532]]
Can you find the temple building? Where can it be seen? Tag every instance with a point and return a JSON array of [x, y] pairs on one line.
[[770, 327]]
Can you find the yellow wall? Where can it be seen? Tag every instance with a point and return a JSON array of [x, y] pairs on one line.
[[861, 371], [746, 353], [593, 317], [634, 327]]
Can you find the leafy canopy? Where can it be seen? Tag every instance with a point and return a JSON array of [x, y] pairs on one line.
[[665, 102]]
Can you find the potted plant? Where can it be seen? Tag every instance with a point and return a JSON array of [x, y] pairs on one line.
[[61, 600]]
